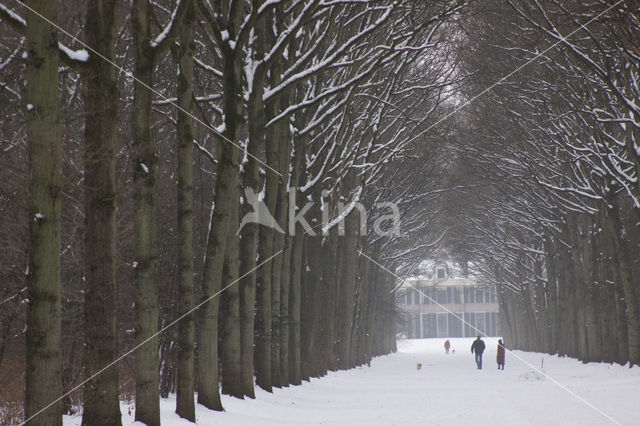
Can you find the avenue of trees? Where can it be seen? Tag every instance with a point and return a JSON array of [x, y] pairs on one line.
[[135, 135], [550, 212]]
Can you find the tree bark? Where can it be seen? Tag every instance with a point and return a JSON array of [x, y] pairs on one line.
[[279, 278], [44, 361], [293, 322], [327, 319], [552, 294], [298, 177], [563, 301], [185, 404], [145, 165], [101, 403], [347, 284], [263, 322], [249, 233], [231, 351]]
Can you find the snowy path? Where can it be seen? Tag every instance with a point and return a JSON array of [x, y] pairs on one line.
[[449, 390]]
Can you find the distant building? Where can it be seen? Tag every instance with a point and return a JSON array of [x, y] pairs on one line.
[[421, 317]]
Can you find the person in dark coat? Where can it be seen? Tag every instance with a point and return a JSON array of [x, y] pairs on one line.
[[500, 357], [447, 345], [478, 348]]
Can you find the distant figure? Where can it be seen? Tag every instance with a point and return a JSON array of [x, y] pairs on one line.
[[500, 356], [478, 347], [447, 345]]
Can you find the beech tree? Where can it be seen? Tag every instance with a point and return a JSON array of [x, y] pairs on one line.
[[44, 363]]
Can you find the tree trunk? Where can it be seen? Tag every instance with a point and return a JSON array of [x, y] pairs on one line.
[[582, 268], [185, 405], [298, 241], [298, 178], [552, 295], [249, 232], [346, 291], [590, 249], [327, 317], [263, 323], [281, 265], [284, 318], [226, 190], [230, 351], [145, 165], [44, 362], [563, 290], [101, 403], [310, 363]]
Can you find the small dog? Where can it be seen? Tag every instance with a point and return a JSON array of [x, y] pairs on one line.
[[418, 366], [453, 351]]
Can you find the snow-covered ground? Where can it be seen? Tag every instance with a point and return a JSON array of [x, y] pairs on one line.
[[448, 390]]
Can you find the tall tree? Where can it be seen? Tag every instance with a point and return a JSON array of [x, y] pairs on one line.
[[144, 176], [101, 402], [250, 183], [227, 16], [43, 370], [184, 51], [145, 168]]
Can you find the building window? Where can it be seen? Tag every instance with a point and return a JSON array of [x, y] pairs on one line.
[[442, 296], [470, 323], [469, 295], [479, 295], [443, 325], [429, 325], [455, 325], [456, 295], [440, 273], [480, 323], [426, 296]]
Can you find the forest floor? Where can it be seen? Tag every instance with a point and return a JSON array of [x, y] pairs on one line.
[[447, 390]]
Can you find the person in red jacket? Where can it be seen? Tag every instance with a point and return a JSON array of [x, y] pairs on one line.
[[447, 345], [500, 357]]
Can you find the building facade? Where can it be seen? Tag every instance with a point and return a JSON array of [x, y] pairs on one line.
[[434, 307]]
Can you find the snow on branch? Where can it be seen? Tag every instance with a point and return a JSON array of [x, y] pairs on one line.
[[80, 55], [167, 29]]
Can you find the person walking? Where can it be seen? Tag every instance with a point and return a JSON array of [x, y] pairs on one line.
[[447, 345], [500, 357], [478, 348]]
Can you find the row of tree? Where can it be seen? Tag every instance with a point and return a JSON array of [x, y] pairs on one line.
[[553, 156], [137, 137]]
